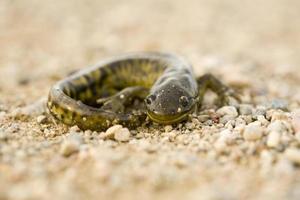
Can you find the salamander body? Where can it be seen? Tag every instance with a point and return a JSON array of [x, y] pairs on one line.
[[95, 98]]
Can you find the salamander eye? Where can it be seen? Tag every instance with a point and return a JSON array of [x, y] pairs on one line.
[[184, 101], [150, 99]]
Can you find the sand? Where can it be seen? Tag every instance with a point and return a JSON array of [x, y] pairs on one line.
[[247, 150]]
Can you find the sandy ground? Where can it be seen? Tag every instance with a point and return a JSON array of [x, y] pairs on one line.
[[242, 151]]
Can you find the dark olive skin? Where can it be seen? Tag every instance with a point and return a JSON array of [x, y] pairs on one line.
[[95, 98], [172, 97]]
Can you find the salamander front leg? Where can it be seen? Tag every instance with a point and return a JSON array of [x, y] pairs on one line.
[[118, 102], [208, 81]]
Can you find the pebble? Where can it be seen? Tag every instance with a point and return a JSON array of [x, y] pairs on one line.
[[262, 120], [253, 131], [260, 110], [293, 155], [171, 135], [168, 128], [110, 132], [41, 119], [245, 109], [190, 125], [122, 135], [277, 126], [118, 133], [69, 147], [227, 113], [277, 115], [74, 129], [273, 139]]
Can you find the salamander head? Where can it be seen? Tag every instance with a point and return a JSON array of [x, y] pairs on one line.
[[169, 104]]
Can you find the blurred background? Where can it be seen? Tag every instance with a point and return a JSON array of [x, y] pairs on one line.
[[42, 41]]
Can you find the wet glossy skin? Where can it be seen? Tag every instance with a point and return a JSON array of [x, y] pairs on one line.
[[95, 98]]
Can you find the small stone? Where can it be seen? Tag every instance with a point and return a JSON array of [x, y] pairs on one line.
[[190, 125], [171, 135], [245, 109], [227, 136], [168, 128], [253, 131], [277, 115], [69, 147], [227, 113], [203, 118], [122, 135], [273, 139], [41, 119], [262, 120], [277, 126], [74, 129], [260, 110], [293, 155], [110, 132]]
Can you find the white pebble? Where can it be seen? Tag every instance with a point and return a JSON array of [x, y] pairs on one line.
[[273, 139], [168, 128], [262, 120], [69, 147], [74, 129], [227, 113], [228, 110], [293, 155], [110, 132], [253, 131], [122, 135], [41, 119], [276, 126]]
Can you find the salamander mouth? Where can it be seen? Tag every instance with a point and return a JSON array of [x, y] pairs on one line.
[[170, 119]]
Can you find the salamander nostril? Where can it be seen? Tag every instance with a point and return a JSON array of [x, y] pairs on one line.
[[184, 101]]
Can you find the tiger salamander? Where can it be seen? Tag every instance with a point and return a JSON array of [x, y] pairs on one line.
[[95, 98]]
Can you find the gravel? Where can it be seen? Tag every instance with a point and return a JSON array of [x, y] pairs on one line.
[[244, 150], [253, 131]]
